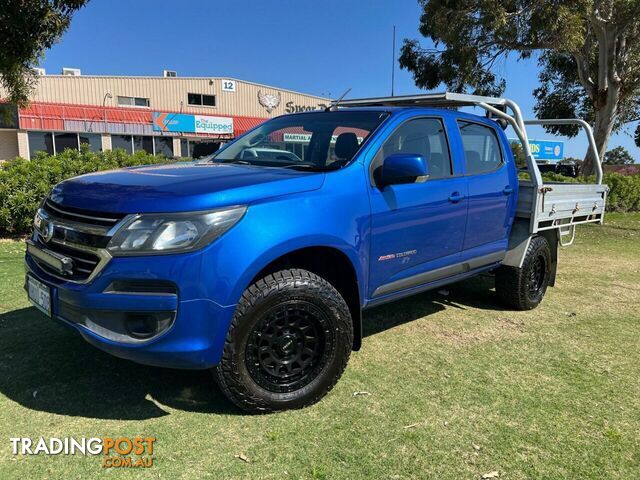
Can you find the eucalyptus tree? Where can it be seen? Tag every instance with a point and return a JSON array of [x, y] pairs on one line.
[[27, 29], [588, 52]]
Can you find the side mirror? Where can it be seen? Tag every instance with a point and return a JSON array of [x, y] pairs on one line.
[[403, 168]]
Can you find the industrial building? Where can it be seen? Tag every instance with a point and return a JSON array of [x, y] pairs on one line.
[[171, 115]]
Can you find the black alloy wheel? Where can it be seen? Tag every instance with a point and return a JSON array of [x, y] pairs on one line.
[[289, 346], [289, 342], [523, 288]]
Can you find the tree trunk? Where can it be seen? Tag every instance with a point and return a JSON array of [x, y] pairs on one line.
[[605, 120]]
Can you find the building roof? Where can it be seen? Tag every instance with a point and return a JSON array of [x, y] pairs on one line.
[[173, 79]]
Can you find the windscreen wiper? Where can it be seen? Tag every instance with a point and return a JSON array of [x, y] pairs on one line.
[[240, 162], [304, 166]]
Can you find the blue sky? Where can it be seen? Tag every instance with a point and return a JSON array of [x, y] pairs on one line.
[[314, 47]]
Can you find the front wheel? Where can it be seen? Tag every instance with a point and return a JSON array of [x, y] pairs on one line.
[[288, 344], [523, 288]]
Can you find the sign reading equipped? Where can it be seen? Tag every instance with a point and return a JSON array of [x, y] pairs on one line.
[[181, 122]]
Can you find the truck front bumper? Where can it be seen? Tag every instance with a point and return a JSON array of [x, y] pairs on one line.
[[151, 310]]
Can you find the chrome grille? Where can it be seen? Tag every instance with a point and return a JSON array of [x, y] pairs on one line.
[[77, 234], [84, 262]]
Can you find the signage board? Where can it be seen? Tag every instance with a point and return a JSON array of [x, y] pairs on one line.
[[228, 85], [187, 123], [545, 149], [306, 138]]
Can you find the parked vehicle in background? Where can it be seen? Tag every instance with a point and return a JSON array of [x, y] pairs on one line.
[[568, 169], [258, 265]]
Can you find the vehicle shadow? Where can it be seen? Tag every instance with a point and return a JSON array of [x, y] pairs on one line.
[[49, 368], [476, 292]]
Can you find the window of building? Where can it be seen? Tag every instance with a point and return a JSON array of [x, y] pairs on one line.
[[8, 116], [57, 142], [133, 102], [201, 99], [202, 148], [63, 141], [143, 143], [163, 146], [93, 140], [422, 136], [122, 141], [40, 142], [482, 152], [149, 144]]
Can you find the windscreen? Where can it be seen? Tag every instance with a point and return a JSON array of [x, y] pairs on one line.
[[315, 141]]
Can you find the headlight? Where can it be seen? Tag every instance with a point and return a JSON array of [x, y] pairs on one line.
[[157, 233]]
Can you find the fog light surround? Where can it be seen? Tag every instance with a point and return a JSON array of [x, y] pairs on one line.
[[118, 326], [146, 325]]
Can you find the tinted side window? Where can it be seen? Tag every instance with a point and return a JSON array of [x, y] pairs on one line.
[[422, 136], [481, 148]]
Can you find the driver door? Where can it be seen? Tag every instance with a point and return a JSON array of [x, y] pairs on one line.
[[417, 228]]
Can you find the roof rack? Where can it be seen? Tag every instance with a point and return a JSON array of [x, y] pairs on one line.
[[442, 99], [495, 107]]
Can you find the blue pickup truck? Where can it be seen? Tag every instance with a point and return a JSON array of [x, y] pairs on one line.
[[258, 262]]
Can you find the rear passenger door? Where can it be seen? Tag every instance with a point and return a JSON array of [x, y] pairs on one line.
[[417, 228], [491, 190]]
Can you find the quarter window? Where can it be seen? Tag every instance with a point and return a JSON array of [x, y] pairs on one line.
[[482, 151], [201, 99], [422, 136]]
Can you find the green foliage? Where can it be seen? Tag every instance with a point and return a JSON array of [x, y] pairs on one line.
[[469, 37], [24, 183], [588, 51], [27, 29], [624, 190], [518, 154], [618, 156]]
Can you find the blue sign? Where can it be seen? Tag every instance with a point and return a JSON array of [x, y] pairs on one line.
[[182, 122], [173, 122], [545, 149]]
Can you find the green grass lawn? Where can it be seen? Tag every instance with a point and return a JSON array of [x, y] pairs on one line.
[[457, 387]]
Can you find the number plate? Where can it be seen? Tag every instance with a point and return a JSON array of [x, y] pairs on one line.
[[40, 295]]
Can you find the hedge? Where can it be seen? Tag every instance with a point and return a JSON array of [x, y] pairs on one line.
[[23, 183], [624, 193]]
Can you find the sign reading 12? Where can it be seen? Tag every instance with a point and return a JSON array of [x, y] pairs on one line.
[[228, 85]]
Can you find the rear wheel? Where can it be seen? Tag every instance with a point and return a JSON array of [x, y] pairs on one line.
[[288, 344], [524, 288]]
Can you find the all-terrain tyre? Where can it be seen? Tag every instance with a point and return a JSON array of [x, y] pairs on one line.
[[523, 288], [288, 343]]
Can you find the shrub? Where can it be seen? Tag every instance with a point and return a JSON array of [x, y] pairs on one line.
[[624, 190], [24, 183], [624, 195]]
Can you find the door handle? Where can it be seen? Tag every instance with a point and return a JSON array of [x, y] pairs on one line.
[[508, 190], [455, 197]]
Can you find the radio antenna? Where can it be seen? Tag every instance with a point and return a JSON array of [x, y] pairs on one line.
[[393, 61], [334, 105]]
